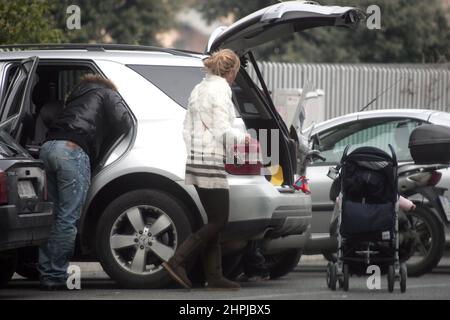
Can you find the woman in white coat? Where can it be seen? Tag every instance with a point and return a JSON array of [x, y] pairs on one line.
[[208, 134]]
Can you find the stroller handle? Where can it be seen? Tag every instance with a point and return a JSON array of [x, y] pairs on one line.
[[344, 155], [394, 155]]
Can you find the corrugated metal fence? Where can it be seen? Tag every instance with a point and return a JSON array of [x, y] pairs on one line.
[[349, 87]]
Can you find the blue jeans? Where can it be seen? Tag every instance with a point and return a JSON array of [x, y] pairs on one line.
[[68, 179]]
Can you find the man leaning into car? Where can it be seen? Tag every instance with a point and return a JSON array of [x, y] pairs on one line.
[[94, 112]]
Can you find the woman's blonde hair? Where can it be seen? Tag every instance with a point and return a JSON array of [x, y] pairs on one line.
[[222, 62]]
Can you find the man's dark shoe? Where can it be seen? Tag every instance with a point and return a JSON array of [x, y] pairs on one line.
[[178, 274], [53, 287]]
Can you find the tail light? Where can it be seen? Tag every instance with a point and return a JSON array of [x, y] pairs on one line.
[[246, 159], [3, 188], [435, 178]]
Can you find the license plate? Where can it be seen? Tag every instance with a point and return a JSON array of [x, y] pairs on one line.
[[26, 189], [445, 202]]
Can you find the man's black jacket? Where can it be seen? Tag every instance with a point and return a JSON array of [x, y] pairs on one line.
[[93, 114]]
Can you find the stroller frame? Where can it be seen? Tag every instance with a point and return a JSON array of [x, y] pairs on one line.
[[339, 271]]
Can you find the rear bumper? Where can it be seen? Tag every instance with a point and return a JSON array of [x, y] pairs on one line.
[[22, 230], [283, 211], [293, 214], [259, 210]]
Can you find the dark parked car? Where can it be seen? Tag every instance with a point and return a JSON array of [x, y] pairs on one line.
[[25, 213]]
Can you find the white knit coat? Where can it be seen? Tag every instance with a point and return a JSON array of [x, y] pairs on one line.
[[208, 132]]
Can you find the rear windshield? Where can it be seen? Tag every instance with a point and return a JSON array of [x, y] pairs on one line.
[[175, 81]]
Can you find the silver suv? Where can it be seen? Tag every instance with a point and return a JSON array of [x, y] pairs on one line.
[[138, 208]]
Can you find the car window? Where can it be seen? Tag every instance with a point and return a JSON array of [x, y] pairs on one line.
[[68, 79], [374, 132], [175, 81], [248, 98], [243, 101]]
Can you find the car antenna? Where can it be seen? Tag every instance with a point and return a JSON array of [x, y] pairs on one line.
[[379, 95]]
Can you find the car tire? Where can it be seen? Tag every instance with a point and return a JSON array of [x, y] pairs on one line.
[[8, 263], [427, 219], [281, 264], [128, 265]]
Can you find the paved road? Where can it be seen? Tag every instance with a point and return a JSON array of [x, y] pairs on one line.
[[306, 282]]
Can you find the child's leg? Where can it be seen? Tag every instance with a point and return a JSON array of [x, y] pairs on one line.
[[405, 204]]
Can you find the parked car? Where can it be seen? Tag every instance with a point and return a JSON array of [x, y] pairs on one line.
[[25, 212], [375, 128], [139, 183]]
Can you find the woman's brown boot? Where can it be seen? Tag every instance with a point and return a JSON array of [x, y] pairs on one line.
[[174, 266], [212, 266], [177, 273]]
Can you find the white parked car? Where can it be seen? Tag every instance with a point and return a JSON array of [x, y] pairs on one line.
[[138, 186]]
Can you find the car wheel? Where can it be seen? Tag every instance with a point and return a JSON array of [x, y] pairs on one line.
[[136, 233], [27, 263], [281, 264], [8, 263], [428, 241]]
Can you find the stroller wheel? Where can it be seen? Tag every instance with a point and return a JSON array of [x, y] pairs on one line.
[[346, 277], [391, 278], [331, 276], [328, 275], [403, 277], [341, 282]]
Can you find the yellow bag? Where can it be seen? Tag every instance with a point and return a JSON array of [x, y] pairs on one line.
[[277, 175]]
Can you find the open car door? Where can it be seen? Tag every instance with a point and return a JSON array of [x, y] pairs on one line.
[[16, 104]]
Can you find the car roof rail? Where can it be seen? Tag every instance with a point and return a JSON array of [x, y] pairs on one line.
[[90, 47]]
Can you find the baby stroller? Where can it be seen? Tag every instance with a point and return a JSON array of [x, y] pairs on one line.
[[367, 218]]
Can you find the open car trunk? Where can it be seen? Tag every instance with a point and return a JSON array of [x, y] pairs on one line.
[[261, 27], [252, 104]]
